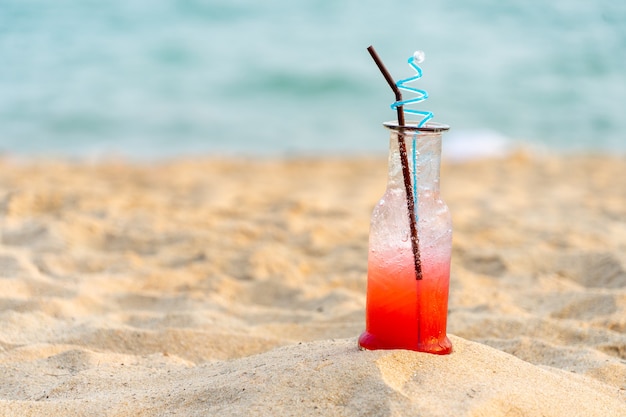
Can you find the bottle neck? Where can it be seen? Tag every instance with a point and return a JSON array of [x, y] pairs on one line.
[[423, 157]]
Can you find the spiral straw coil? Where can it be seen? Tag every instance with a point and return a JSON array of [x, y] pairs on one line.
[[417, 58]]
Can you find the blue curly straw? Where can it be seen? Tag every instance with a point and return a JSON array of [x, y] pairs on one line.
[[426, 116], [421, 94]]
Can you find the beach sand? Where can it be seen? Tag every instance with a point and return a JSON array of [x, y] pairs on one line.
[[216, 287]]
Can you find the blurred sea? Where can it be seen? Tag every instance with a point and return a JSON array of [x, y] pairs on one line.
[[161, 78]]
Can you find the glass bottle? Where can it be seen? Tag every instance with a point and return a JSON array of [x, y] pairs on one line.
[[409, 265]]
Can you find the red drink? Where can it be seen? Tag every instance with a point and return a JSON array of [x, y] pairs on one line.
[[405, 313]]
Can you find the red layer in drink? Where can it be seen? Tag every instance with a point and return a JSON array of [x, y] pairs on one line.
[[405, 313]]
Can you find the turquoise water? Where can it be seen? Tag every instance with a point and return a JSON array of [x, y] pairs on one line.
[[149, 78]]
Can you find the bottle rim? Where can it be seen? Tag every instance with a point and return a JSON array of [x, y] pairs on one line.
[[412, 126]]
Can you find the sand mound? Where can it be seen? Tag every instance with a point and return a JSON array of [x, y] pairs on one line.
[[331, 378]]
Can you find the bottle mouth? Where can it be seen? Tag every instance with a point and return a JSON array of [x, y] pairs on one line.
[[411, 126]]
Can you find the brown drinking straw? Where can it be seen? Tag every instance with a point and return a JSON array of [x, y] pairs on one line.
[[406, 174]]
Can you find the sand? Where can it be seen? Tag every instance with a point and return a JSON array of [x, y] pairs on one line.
[[206, 286]]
